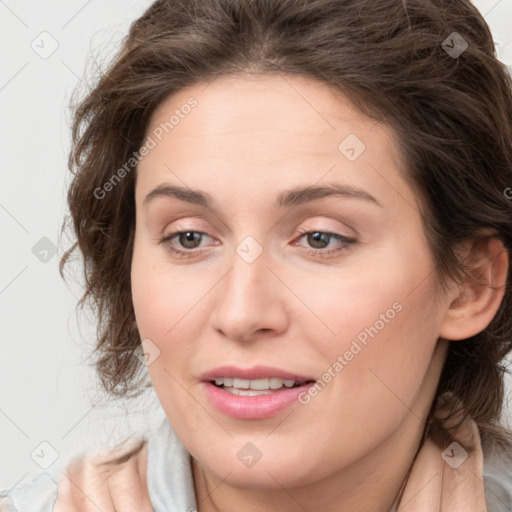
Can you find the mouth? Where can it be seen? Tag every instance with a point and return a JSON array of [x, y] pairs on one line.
[[256, 387], [253, 393]]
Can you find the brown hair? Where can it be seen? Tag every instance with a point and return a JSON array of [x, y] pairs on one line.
[[452, 115]]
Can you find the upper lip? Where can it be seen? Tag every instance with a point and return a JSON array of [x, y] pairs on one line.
[[253, 373]]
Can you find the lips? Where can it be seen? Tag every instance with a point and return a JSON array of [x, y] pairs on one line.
[[253, 393], [254, 373]]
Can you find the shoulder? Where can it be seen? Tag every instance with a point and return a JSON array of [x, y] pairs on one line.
[[39, 495], [164, 461], [48, 493]]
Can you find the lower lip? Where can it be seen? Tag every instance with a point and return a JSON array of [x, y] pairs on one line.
[[253, 407]]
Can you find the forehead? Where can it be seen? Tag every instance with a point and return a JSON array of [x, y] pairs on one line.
[[238, 106], [268, 130]]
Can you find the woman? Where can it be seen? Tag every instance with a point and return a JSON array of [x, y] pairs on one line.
[[296, 214]]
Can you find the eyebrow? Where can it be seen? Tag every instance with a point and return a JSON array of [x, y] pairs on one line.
[[286, 199]]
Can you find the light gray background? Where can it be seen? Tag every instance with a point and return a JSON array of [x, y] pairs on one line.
[[47, 391]]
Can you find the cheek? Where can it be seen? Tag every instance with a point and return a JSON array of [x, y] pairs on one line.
[[386, 331], [169, 303], [163, 295], [385, 297]]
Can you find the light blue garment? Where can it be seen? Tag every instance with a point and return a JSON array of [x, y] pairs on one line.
[[170, 484], [171, 488], [39, 495]]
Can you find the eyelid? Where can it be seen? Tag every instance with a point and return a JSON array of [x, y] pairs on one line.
[[322, 225], [201, 228], [320, 229]]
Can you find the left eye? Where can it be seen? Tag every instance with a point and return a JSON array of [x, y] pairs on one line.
[[322, 238]]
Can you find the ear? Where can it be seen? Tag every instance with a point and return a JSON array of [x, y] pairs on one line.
[[473, 303]]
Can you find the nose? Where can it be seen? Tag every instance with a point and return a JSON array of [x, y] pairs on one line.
[[250, 301]]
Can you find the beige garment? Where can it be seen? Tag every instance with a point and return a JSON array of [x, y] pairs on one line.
[[448, 479]]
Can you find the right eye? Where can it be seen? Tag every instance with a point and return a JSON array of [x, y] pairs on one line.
[[187, 239]]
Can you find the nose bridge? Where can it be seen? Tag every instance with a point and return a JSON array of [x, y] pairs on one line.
[[245, 283], [248, 300]]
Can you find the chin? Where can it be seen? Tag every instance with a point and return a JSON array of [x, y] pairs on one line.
[[261, 476], [274, 470]]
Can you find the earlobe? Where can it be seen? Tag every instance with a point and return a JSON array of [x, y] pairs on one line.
[[479, 298]]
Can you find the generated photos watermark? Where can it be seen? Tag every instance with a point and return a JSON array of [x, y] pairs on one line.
[[357, 345], [151, 142]]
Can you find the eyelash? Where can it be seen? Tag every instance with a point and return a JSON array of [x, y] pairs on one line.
[[348, 243]]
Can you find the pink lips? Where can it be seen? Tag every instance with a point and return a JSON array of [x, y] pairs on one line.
[[256, 372], [253, 407]]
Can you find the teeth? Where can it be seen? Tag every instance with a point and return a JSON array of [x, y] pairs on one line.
[[276, 383], [241, 383], [256, 384], [259, 384]]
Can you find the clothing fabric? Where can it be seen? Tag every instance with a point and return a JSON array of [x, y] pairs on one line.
[[171, 487]]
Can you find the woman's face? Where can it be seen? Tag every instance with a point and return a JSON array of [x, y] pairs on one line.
[[253, 296]]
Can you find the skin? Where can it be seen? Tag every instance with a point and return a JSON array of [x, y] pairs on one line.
[[351, 446]]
